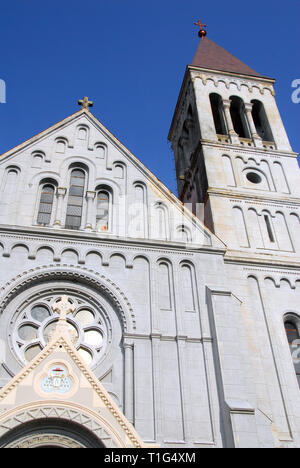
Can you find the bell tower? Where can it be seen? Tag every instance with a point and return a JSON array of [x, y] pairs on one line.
[[233, 156]]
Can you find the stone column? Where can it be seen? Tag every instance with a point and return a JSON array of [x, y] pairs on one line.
[[232, 133], [129, 388], [158, 407], [61, 192], [256, 138], [90, 196], [186, 420]]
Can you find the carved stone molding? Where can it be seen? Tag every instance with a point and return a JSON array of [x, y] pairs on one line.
[[66, 410], [44, 440], [59, 412], [235, 82], [44, 242], [53, 272]]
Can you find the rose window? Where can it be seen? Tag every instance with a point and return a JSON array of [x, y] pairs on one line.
[[35, 325]]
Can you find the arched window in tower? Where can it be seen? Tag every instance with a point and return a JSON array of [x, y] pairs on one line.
[[103, 210], [292, 325], [218, 113], [180, 162], [189, 126], [75, 200], [46, 204], [269, 228], [261, 121], [238, 117]]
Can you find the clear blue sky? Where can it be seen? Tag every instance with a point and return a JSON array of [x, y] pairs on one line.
[[129, 56]]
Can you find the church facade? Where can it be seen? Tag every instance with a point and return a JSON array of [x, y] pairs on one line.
[[133, 318]]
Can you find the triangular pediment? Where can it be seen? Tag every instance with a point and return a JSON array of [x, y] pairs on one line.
[[54, 164], [58, 384]]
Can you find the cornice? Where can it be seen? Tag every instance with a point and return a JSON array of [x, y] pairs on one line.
[[161, 337], [269, 261], [89, 239], [275, 153], [277, 271], [96, 279], [262, 199], [263, 79]]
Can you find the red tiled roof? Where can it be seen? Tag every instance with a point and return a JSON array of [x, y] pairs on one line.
[[211, 55]]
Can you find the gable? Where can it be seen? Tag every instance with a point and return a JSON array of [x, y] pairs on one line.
[[57, 384], [143, 207]]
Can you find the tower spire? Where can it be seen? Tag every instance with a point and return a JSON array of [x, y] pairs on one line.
[[213, 56]]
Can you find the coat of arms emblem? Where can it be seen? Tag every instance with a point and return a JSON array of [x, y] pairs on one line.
[[57, 380]]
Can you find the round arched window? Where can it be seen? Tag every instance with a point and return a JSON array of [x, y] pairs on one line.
[[292, 329]]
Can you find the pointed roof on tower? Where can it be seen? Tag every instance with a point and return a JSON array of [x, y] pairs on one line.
[[212, 56]]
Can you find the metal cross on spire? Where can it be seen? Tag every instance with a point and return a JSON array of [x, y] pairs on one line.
[[85, 103], [202, 32]]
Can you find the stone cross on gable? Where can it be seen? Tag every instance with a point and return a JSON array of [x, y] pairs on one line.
[[85, 103], [63, 307]]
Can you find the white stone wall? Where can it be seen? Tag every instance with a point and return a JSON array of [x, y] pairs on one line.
[[140, 208], [259, 223], [198, 356], [172, 397], [159, 367], [248, 89]]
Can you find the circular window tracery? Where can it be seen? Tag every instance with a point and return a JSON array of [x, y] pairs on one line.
[[37, 321]]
